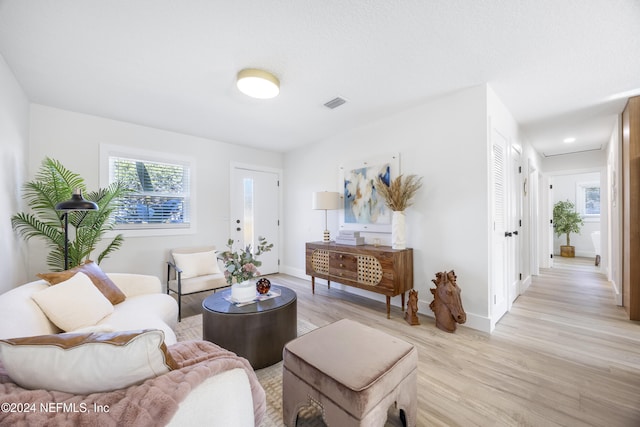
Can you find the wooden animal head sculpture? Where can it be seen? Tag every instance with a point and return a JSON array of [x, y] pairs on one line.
[[411, 315], [446, 303]]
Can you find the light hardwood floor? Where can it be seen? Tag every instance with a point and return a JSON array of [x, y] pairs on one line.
[[565, 355]]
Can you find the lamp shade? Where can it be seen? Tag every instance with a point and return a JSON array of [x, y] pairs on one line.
[[77, 203], [258, 83], [328, 200]]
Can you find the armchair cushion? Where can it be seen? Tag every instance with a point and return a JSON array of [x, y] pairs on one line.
[[74, 303], [202, 283], [196, 264], [86, 363], [97, 276]]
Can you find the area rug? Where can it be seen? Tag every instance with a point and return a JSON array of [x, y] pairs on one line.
[[190, 328]]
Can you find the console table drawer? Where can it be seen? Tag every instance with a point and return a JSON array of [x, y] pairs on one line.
[[343, 265]]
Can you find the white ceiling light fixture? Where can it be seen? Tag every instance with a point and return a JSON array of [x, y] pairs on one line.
[[258, 83], [569, 140]]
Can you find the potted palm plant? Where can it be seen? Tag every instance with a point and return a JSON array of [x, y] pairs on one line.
[[53, 184], [566, 221]]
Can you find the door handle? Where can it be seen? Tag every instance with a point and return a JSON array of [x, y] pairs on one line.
[[507, 234], [515, 233]]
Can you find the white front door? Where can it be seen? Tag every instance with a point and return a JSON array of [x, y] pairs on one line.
[[499, 290], [255, 201]]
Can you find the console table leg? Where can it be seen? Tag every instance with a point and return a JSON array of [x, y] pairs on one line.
[[313, 285], [388, 307], [402, 297], [328, 284]]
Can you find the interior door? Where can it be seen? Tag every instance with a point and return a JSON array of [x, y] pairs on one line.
[[499, 300], [255, 201], [514, 226]]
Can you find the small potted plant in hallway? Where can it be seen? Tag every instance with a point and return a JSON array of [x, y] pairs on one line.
[[566, 221]]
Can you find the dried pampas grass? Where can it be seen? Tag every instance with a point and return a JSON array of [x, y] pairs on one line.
[[399, 195]]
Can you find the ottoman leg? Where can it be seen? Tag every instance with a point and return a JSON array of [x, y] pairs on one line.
[[408, 399], [297, 394]]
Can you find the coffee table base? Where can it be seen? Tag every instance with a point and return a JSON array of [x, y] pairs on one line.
[[259, 337]]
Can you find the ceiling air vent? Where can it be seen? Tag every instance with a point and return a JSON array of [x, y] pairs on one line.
[[335, 102]]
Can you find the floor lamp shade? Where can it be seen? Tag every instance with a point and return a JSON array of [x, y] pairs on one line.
[[76, 203], [325, 200]]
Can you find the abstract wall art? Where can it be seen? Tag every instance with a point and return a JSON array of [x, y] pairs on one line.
[[364, 209]]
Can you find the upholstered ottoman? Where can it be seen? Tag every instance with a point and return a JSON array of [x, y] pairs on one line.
[[353, 372]]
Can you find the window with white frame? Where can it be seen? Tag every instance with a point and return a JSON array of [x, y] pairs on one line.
[[588, 199], [160, 194]]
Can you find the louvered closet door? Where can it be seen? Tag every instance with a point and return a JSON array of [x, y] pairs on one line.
[[499, 239]]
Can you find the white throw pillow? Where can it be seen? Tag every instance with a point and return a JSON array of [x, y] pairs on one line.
[[73, 304], [197, 264], [86, 363]]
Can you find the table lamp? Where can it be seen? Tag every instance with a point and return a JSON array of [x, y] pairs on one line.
[[325, 200]]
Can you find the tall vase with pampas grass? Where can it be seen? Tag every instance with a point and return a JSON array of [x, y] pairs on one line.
[[398, 196]]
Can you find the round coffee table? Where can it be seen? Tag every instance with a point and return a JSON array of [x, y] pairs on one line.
[[256, 331]]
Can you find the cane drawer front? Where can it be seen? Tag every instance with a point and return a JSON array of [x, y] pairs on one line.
[[318, 262], [343, 265], [370, 272]]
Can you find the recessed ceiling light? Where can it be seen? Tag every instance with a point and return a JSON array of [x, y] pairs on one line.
[[569, 140], [258, 83]]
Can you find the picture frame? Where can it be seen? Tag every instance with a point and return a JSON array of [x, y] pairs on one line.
[[362, 208]]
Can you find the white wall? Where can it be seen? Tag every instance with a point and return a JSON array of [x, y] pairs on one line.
[[74, 139], [565, 188], [14, 136], [445, 142]]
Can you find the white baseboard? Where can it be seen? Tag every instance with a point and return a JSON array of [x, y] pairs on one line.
[[525, 284], [295, 272], [586, 254], [479, 323], [617, 292]]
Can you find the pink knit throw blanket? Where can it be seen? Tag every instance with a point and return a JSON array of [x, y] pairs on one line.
[[152, 403]]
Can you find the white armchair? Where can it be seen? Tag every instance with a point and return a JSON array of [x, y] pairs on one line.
[[194, 270]]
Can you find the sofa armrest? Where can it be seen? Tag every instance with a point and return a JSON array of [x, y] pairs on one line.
[[136, 284]]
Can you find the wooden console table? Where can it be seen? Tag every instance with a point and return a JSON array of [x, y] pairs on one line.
[[378, 269]]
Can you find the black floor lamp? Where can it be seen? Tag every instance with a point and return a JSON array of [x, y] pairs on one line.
[[76, 203]]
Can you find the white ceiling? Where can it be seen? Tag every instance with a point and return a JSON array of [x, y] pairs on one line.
[[171, 64]]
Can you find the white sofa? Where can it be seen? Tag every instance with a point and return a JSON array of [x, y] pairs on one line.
[[239, 398], [146, 307]]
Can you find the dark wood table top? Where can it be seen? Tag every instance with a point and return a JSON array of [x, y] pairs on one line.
[[217, 303]]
